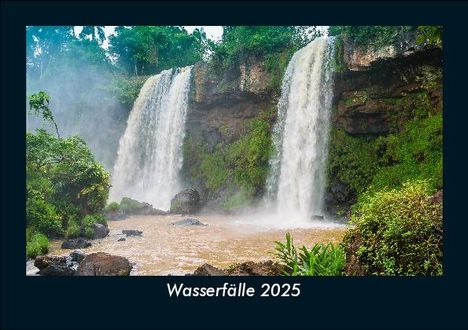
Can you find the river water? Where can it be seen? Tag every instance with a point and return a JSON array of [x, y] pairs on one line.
[[165, 249]]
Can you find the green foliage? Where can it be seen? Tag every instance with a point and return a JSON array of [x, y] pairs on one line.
[[127, 88], [74, 228], [414, 154], [352, 160], [41, 215], [39, 105], [429, 35], [249, 155], [368, 165], [112, 207], [373, 37], [128, 204], [320, 260], [241, 42], [150, 49], [36, 244], [398, 232], [237, 171]]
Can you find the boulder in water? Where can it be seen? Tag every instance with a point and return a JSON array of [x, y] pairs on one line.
[[208, 270], [104, 264], [186, 201], [100, 231], [188, 222], [121, 239], [132, 232], [76, 243]]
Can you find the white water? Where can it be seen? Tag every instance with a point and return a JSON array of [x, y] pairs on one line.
[[295, 185], [150, 155]]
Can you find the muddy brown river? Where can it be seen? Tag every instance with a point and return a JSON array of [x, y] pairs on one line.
[[166, 249]]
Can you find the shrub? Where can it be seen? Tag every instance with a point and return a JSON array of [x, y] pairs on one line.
[[73, 229], [36, 244], [41, 215], [320, 260], [397, 232], [112, 207]]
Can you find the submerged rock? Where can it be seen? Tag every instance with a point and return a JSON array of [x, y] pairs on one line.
[[121, 239], [186, 201], [76, 243], [188, 222], [100, 231], [132, 232], [104, 264]]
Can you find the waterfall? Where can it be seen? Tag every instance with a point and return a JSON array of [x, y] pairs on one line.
[[296, 181], [150, 151]]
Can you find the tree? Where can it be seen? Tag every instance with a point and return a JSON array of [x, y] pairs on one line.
[[96, 32], [150, 49], [39, 105]]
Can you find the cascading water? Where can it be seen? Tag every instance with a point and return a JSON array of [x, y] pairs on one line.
[[150, 155], [295, 185]]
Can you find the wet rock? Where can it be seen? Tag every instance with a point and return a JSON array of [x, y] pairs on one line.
[[188, 222], [76, 243], [31, 270], [121, 239], [250, 268], [77, 256], [186, 201], [55, 265], [100, 231], [132, 232], [104, 264], [208, 270]]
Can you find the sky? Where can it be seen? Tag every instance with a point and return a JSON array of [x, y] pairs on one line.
[[213, 32]]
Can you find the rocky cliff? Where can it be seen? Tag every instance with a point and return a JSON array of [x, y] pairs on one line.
[[376, 92]]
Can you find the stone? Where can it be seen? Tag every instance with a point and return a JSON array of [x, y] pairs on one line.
[[188, 222], [76, 243], [55, 265], [100, 231], [104, 264], [121, 239], [129, 206], [208, 270], [186, 201], [77, 256], [132, 232]]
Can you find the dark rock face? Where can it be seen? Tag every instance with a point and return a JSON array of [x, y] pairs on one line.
[[121, 239], [100, 231], [186, 201], [380, 94], [132, 232], [104, 264], [76, 243], [188, 222]]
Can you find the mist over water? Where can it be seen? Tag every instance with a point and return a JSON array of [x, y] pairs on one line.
[[296, 183], [83, 104], [150, 152]]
